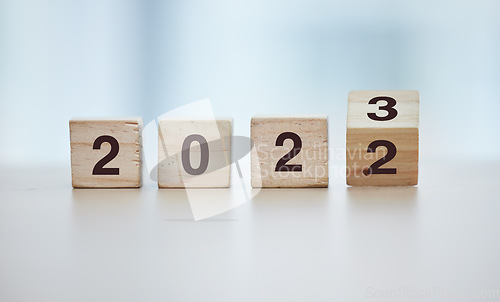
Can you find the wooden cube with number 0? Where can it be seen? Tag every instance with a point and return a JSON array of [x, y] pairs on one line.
[[289, 151], [106, 153], [194, 153], [382, 138]]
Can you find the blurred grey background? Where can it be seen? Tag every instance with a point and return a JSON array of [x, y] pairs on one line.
[[61, 59]]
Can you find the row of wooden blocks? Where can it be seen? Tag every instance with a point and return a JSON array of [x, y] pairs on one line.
[[381, 148]]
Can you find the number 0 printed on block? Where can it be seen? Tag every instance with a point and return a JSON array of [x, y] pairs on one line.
[[194, 153], [382, 138]]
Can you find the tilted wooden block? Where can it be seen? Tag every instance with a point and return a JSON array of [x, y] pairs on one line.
[[194, 153], [289, 151], [106, 153], [382, 138]]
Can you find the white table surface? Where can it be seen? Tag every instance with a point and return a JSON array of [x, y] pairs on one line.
[[439, 241]]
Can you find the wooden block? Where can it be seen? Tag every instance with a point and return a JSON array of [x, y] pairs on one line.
[[289, 151], [106, 153], [382, 138], [194, 153]]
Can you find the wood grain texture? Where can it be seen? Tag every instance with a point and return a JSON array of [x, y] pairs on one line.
[[171, 136], [407, 107], [83, 133], [405, 161], [313, 156], [402, 131]]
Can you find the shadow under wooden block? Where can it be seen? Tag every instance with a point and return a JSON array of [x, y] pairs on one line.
[[382, 138], [106, 153], [194, 153], [289, 151]]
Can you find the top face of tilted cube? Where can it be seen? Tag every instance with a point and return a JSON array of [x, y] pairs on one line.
[[383, 109]]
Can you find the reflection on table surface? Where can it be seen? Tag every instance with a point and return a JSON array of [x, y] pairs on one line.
[[289, 244]]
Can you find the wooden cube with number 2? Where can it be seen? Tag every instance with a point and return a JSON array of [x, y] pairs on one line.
[[382, 138], [289, 151], [106, 153]]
